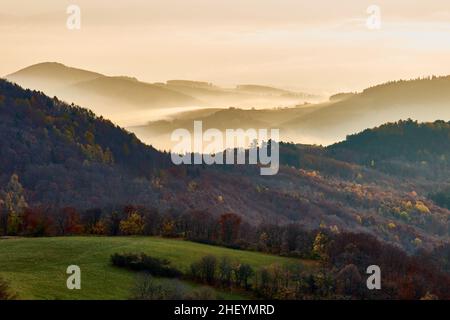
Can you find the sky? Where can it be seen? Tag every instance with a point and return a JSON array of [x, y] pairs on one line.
[[316, 46]]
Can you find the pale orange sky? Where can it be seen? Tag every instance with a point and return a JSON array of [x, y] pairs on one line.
[[318, 46]]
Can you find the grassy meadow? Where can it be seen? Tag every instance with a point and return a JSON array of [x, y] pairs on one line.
[[36, 267]]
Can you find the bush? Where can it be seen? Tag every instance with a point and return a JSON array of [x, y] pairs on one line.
[[225, 271], [142, 262], [202, 293], [205, 269], [243, 272], [5, 291], [149, 288]]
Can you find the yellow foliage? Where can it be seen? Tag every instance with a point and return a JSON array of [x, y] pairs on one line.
[[408, 205], [192, 186], [99, 228], [421, 207], [334, 229], [168, 228], [133, 225]]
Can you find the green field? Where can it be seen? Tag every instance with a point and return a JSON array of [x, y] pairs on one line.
[[36, 267]]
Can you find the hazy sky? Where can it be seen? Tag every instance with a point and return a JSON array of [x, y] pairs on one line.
[[312, 45]]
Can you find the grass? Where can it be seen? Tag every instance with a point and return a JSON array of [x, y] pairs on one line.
[[36, 267]]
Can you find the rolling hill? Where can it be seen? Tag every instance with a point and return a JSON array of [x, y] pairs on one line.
[[128, 101], [158, 132], [112, 97], [426, 99], [321, 123], [50, 77]]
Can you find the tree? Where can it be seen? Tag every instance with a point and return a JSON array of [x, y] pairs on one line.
[[37, 222], [13, 206], [229, 225], [69, 221], [133, 225], [320, 247], [243, 273], [92, 221], [168, 227], [199, 225], [205, 269], [225, 271], [349, 281]]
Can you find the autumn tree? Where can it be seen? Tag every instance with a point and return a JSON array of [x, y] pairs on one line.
[[71, 221], [229, 226], [168, 227], [349, 281], [37, 222], [12, 206], [132, 225], [320, 247], [199, 225], [92, 221]]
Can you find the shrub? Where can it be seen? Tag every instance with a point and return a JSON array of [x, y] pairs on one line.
[[243, 273], [208, 265], [149, 288], [202, 293], [5, 291], [225, 271], [142, 262]]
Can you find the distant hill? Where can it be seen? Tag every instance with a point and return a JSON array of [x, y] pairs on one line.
[[112, 97], [341, 96], [421, 99], [405, 148], [50, 77], [266, 90], [190, 83], [326, 123], [158, 132], [127, 100], [126, 94]]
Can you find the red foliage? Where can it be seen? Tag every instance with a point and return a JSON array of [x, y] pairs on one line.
[[229, 226]]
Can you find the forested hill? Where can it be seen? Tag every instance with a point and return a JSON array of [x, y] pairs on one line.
[[405, 140], [66, 151], [65, 156]]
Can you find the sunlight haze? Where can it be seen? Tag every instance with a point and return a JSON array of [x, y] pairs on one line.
[[314, 47]]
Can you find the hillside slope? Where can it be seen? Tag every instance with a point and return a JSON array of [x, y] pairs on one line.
[[67, 154], [45, 278]]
